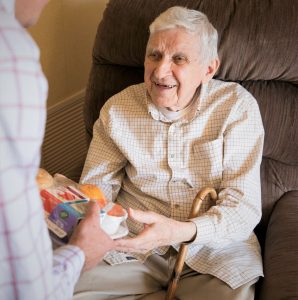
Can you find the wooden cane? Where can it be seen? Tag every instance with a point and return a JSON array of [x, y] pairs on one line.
[[196, 205]]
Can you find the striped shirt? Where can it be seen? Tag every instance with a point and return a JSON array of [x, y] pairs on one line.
[[28, 267], [145, 161]]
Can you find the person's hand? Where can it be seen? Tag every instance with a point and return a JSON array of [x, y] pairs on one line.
[[89, 236], [158, 231]]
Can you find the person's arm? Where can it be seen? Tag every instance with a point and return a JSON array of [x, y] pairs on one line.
[[86, 248], [104, 165], [238, 208]]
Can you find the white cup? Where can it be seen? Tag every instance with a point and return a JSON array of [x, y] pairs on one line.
[[111, 224]]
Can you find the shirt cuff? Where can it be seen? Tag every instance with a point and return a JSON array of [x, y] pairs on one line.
[[69, 257], [194, 237], [205, 230]]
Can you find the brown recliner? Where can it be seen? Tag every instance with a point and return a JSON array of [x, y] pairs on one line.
[[258, 48]]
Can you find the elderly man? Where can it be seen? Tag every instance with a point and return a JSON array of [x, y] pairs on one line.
[[29, 269], [155, 145]]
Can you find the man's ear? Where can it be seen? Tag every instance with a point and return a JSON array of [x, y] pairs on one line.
[[211, 69]]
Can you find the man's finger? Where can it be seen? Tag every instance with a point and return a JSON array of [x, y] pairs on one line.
[[92, 210]]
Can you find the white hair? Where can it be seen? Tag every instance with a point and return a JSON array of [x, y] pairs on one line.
[[192, 21]]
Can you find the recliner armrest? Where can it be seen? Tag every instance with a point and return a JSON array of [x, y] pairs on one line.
[[281, 251]]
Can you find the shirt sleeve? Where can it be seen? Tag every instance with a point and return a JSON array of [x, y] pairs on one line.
[[28, 267], [68, 263], [238, 208], [104, 167]]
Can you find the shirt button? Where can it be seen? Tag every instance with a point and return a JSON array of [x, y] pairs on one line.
[[177, 206], [172, 155]]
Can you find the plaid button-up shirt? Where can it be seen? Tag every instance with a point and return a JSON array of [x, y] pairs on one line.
[[28, 267], [144, 161]]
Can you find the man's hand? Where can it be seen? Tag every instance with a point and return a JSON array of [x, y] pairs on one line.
[[158, 231], [93, 241]]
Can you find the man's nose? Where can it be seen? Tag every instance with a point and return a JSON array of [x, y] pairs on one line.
[[163, 68]]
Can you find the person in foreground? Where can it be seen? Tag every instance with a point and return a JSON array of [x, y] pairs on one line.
[[28, 267], [155, 145]]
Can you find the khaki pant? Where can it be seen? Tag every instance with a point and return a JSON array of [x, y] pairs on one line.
[[149, 282]]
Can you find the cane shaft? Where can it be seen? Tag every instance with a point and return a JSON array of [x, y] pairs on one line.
[[196, 205], [177, 271]]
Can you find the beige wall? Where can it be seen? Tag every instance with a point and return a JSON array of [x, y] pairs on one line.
[[65, 35]]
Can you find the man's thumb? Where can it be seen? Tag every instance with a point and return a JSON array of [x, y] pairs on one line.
[[146, 217], [92, 210]]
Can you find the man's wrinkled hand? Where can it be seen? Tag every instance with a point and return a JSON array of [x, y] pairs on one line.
[[158, 231]]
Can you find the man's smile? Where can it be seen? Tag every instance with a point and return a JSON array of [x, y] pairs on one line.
[[167, 86]]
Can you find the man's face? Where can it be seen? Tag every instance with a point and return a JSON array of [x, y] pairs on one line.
[[174, 68], [28, 11]]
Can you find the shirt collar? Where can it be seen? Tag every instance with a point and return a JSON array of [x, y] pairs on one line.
[[159, 116]]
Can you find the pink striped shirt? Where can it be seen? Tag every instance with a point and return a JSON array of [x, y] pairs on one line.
[[28, 267]]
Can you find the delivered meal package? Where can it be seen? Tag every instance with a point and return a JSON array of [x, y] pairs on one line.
[[65, 203]]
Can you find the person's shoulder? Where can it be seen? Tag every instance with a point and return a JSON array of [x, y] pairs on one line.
[[228, 86], [233, 92], [130, 98], [15, 41], [132, 91]]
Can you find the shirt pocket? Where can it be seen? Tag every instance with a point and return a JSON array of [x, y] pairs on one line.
[[206, 163]]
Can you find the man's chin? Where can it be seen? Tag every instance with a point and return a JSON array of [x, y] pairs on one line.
[[164, 103]]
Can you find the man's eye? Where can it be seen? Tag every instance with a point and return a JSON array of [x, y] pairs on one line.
[[179, 60], [154, 56]]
